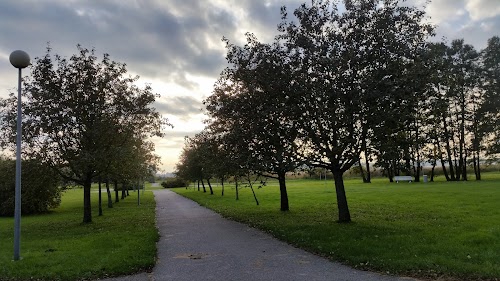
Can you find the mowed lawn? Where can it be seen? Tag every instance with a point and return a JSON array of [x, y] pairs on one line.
[[57, 246], [440, 230]]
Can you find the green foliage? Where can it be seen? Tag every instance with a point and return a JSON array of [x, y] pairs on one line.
[[40, 190], [85, 117], [175, 182], [437, 231], [57, 246]]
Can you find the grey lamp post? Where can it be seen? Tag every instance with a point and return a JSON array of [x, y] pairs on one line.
[[19, 59]]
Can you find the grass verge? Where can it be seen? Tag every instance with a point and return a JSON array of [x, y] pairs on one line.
[[440, 230], [57, 246]]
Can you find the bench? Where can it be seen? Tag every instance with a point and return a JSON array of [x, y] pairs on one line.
[[403, 178]]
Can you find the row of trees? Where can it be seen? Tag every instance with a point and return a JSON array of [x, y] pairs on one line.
[[342, 88], [86, 119]]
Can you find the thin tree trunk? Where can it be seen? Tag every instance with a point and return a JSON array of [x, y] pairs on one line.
[[123, 191], [100, 198], [87, 207], [361, 171], [463, 152], [222, 183], [110, 200], [478, 175], [390, 173], [432, 171], [117, 198], [441, 159], [254, 196], [368, 172], [344, 215], [283, 192], [210, 187], [237, 195], [417, 172], [203, 185], [198, 185], [448, 151], [464, 167]]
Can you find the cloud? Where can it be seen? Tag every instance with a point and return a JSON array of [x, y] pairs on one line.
[[183, 107], [483, 9], [445, 10], [148, 36]]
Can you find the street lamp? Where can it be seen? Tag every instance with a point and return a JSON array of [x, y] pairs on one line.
[[19, 59]]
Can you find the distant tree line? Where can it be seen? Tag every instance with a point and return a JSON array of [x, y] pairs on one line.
[[337, 89], [87, 120]]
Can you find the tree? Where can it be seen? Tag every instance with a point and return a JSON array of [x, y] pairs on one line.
[[250, 109], [77, 113], [454, 104], [490, 108], [341, 56]]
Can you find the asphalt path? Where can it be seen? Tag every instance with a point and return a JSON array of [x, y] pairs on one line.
[[198, 244]]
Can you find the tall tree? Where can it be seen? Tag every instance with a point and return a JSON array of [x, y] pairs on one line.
[[342, 54], [490, 108], [251, 105], [453, 103]]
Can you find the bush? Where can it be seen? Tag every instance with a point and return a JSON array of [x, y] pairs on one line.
[[175, 182], [39, 188]]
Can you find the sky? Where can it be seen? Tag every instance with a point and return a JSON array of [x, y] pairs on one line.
[[176, 46]]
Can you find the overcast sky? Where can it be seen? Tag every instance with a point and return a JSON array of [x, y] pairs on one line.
[[176, 44]]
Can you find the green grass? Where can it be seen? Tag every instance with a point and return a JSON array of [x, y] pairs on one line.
[[57, 246], [447, 230]]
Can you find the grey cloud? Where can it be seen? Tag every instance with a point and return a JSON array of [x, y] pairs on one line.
[[182, 106], [163, 42]]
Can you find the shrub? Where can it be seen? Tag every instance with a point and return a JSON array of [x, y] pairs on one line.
[[39, 188], [174, 182]]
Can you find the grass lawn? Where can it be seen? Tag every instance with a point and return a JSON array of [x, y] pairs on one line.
[[57, 246], [440, 230]]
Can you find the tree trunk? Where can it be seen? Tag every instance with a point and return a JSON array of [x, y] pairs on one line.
[[210, 187], [117, 199], [123, 191], [477, 167], [87, 208], [100, 198], [432, 170], [419, 167], [110, 200], [222, 183], [449, 154], [203, 185], [463, 152], [344, 215], [464, 168], [362, 172], [198, 185], [441, 159], [254, 196], [366, 179], [237, 195], [368, 172], [283, 192]]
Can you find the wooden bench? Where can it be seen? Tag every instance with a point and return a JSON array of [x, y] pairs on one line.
[[403, 178]]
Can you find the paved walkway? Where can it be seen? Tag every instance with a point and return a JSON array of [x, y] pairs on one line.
[[198, 244]]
